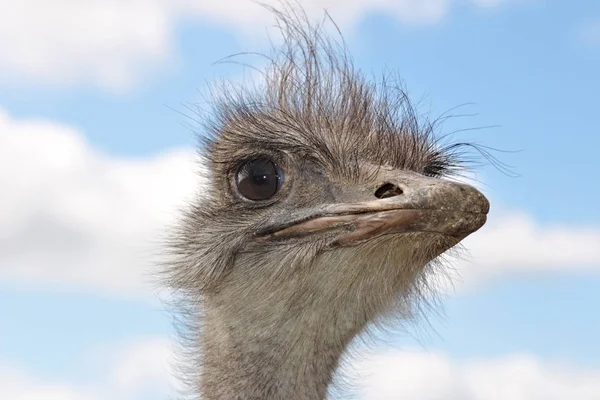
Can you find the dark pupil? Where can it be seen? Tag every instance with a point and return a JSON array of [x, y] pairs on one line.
[[258, 180]]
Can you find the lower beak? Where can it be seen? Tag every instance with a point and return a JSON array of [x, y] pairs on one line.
[[421, 204]]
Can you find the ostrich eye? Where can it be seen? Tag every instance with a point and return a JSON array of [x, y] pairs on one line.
[[258, 179]]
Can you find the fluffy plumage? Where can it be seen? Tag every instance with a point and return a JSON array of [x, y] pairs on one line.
[[270, 319]]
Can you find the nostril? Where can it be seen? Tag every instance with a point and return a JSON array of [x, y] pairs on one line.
[[388, 190]]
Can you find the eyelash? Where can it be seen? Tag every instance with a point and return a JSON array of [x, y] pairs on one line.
[[434, 169]]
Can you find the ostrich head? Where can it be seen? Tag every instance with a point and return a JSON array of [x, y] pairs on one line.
[[326, 204]]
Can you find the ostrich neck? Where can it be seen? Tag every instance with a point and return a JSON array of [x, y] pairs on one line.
[[271, 349]]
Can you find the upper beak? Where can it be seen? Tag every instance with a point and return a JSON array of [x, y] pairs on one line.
[[410, 203]]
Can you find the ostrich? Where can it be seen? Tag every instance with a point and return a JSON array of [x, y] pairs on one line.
[[326, 210]]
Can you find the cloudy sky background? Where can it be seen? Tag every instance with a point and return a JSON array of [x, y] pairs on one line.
[[94, 159]]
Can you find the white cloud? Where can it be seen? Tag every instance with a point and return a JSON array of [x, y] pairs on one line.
[[141, 369], [66, 42], [75, 219], [132, 371], [514, 243], [115, 43], [434, 376], [142, 366]]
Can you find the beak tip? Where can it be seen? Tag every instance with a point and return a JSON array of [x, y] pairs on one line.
[[472, 199], [484, 203]]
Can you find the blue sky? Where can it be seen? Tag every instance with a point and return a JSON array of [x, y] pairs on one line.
[[528, 67]]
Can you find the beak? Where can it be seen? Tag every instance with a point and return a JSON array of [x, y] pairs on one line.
[[409, 202]]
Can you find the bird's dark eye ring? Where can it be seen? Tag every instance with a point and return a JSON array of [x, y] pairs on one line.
[[258, 179]]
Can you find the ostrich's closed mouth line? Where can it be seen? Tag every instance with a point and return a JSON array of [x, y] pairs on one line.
[[365, 224]]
